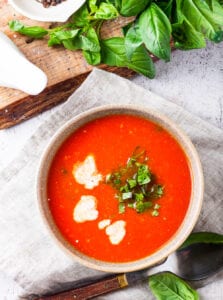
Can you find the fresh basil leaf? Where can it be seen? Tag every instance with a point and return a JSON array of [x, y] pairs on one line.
[[186, 37], [132, 40], [31, 31], [80, 17], [15, 25], [206, 21], [209, 3], [92, 5], [53, 40], [114, 54], [203, 237], [93, 58], [116, 3], [133, 7], [106, 11], [72, 44], [74, 39], [75, 43], [66, 34], [69, 44], [127, 27], [63, 37], [88, 41], [155, 29], [166, 285], [166, 6]]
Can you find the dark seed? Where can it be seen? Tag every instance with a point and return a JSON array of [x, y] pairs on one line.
[[48, 3]]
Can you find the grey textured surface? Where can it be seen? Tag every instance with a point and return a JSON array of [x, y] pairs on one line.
[[193, 80]]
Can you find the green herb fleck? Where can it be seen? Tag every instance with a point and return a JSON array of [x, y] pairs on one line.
[[135, 184], [155, 213], [156, 206], [127, 195], [121, 207]]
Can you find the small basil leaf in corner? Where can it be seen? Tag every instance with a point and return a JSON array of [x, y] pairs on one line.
[[133, 7], [167, 285], [202, 237], [155, 29], [36, 32]]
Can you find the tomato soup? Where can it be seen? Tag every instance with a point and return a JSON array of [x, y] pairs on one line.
[[85, 207]]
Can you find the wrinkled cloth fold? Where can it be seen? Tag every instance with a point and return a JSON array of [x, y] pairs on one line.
[[28, 254]]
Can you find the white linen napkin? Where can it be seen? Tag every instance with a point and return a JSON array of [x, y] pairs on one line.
[[28, 254]]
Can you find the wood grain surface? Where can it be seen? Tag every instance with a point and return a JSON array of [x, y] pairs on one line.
[[90, 291], [65, 70]]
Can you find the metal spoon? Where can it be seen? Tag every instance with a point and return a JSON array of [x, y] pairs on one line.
[[197, 263]]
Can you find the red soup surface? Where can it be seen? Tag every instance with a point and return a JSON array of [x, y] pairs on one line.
[[110, 141]]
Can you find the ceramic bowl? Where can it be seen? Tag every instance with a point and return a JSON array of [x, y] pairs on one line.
[[35, 10], [195, 201]]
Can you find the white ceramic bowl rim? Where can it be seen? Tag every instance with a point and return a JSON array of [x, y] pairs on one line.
[[197, 186], [35, 10]]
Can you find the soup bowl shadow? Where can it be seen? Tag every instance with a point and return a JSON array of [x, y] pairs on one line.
[[195, 202]]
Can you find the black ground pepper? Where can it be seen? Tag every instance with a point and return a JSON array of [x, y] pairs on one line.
[[48, 3]]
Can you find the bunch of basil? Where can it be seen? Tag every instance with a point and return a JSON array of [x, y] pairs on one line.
[[189, 23]]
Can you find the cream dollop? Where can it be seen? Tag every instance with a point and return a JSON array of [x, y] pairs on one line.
[[116, 232], [86, 173], [104, 223], [85, 209]]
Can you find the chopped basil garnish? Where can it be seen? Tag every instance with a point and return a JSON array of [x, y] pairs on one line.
[[135, 184]]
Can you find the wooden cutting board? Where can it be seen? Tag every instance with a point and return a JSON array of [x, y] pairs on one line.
[[65, 70]]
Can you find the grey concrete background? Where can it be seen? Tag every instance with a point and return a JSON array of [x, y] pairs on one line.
[[193, 80]]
